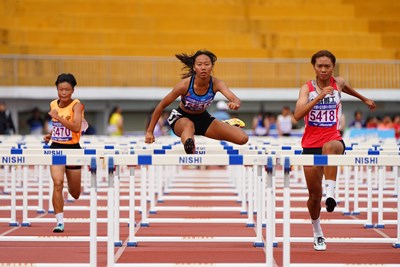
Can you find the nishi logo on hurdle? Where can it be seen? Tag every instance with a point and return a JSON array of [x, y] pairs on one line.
[[256, 174]]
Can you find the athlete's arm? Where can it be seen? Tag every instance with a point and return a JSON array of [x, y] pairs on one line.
[[302, 104], [234, 101], [179, 89], [76, 123], [351, 91]]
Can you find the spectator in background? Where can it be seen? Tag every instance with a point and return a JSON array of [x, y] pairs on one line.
[[35, 122], [358, 121], [396, 126], [221, 112], [285, 122], [116, 122], [386, 123], [372, 123], [273, 128], [260, 124], [6, 123]]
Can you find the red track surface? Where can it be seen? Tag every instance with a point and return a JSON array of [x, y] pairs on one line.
[[192, 252]]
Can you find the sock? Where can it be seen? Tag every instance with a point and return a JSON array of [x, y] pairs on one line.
[[317, 228], [60, 217], [330, 186]]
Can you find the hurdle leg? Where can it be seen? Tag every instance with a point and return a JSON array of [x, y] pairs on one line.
[[93, 213], [369, 224], [286, 214], [250, 220], [356, 179], [25, 221], [380, 223], [143, 195], [40, 208], [131, 240], [160, 180], [51, 208], [270, 224], [259, 192], [396, 173], [152, 171], [6, 188], [13, 220], [117, 241], [243, 190], [110, 214], [397, 243], [346, 190]]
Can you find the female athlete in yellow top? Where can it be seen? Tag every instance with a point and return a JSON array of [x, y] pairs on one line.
[[67, 119]]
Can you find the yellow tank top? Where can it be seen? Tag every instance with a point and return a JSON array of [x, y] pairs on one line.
[[60, 133]]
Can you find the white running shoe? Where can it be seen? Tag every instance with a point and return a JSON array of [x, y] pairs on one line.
[[319, 243]]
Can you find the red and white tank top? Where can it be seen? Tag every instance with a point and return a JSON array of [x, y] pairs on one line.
[[322, 122]]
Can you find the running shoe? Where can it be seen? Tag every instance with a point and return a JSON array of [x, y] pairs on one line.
[[235, 122], [330, 204], [59, 228], [319, 243], [189, 146]]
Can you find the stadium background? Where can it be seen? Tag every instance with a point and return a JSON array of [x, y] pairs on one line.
[[122, 51]]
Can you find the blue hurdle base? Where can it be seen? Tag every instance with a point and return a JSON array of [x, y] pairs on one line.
[[117, 243], [379, 225], [160, 201], [346, 213], [144, 224], [153, 212], [40, 211], [368, 225], [258, 244], [13, 224], [132, 244], [243, 212], [26, 224], [250, 224], [396, 245], [355, 213]]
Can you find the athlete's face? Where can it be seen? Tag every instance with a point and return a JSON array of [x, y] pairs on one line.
[[323, 68], [203, 66], [65, 91]]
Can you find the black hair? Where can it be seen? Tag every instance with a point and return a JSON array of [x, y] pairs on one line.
[[188, 61], [323, 53], [66, 77]]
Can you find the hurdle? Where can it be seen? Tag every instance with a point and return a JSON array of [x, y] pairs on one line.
[[329, 160], [91, 161], [259, 160], [337, 160]]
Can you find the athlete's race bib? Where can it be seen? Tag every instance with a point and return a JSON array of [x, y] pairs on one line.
[[60, 133], [322, 115]]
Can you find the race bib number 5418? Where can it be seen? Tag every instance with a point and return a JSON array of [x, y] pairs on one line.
[[322, 118]]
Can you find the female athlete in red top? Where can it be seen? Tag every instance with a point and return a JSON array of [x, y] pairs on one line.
[[319, 103]]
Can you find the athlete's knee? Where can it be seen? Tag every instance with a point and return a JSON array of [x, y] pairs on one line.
[[58, 185], [75, 193], [243, 139], [315, 196]]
